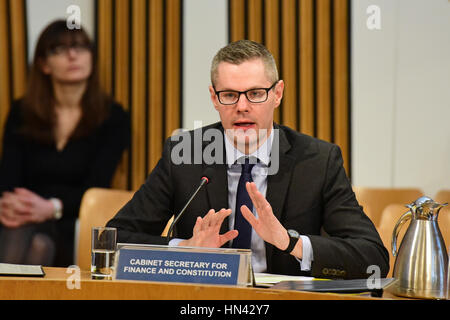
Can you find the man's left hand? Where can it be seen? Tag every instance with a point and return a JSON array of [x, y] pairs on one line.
[[266, 225]]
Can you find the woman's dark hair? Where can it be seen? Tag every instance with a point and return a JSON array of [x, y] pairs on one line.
[[38, 104]]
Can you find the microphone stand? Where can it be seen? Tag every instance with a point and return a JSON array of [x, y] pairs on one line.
[[169, 234]]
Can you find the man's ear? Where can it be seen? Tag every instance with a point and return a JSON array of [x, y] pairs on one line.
[[213, 97], [279, 89]]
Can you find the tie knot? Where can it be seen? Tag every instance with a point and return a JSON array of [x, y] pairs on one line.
[[247, 164]]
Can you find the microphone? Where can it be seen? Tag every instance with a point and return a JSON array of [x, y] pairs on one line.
[[204, 180]]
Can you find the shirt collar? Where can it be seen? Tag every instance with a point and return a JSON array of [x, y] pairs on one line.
[[262, 153]]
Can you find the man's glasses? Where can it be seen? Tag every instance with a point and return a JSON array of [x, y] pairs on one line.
[[257, 95]]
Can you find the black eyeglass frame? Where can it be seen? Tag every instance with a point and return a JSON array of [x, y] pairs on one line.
[[245, 94]]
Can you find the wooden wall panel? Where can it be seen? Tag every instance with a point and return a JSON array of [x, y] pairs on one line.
[[323, 69], [5, 71], [310, 41], [173, 65], [141, 41], [255, 20], [105, 39], [122, 54], [341, 77], [156, 89], [121, 79], [237, 19], [272, 28], [13, 56], [289, 63], [138, 91], [18, 47], [104, 43], [306, 67]]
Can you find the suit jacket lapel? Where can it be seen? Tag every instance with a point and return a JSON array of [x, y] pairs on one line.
[[278, 183]]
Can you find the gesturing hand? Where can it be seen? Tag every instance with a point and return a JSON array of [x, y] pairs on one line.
[[206, 231], [266, 225]]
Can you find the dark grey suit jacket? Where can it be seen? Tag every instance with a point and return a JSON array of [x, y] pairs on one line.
[[310, 193]]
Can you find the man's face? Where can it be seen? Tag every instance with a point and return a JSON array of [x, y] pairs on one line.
[[247, 124]]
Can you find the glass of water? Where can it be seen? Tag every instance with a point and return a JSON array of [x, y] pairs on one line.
[[103, 251]]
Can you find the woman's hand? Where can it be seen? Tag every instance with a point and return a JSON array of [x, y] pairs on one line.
[[8, 214], [24, 206]]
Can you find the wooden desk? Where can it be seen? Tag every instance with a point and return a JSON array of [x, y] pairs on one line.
[[56, 286]]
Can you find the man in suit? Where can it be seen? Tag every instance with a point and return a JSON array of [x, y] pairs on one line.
[[290, 201]]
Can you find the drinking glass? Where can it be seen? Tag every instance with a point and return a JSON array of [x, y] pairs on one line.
[[103, 251]]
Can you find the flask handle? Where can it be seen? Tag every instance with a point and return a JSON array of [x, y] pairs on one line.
[[405, 217]]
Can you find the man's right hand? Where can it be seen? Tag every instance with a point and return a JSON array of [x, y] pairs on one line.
[[206, 231]]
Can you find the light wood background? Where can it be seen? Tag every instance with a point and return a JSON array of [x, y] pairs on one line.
[[13, 55], [310, 42], [139, 49]]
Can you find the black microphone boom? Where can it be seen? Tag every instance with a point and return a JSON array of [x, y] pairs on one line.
[[205, 180]]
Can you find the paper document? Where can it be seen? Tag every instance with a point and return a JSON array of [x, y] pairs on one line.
[[7, 269], [270, 279]]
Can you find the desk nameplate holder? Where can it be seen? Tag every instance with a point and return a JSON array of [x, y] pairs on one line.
[[224, 266]]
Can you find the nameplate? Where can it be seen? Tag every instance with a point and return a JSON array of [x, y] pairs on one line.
[[182, 264]]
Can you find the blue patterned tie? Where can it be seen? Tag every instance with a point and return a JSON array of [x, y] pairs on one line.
[[244, 238]]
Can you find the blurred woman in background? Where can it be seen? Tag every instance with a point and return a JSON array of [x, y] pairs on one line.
[[63, 137]]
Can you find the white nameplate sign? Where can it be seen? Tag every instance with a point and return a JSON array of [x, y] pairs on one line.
[[183, 264]]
